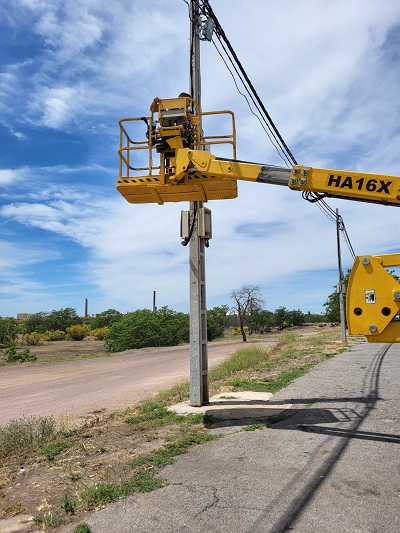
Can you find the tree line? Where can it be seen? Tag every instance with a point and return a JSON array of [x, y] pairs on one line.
[[141, 328]]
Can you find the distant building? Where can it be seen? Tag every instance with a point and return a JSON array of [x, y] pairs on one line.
[[23, 316]]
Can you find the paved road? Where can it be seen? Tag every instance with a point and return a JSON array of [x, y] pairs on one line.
[[74, 388], [333, 466]]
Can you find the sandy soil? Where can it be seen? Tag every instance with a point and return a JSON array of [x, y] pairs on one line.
[[74, 388]]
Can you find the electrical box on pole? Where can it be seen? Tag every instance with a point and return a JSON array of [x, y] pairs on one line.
[[204, 228]]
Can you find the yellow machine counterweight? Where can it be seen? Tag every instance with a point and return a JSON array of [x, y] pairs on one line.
[[373, 299]]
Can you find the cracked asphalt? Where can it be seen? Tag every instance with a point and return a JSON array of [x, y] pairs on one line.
[[333, 465]]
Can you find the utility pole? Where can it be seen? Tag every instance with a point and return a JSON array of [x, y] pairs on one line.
[[199, 394], [340, 288]]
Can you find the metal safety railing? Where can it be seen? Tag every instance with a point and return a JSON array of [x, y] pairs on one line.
[[140, 159]]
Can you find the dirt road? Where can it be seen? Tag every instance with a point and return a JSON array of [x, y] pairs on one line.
[[74, 388]]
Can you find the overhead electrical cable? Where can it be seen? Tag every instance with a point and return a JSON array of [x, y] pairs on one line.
[[253, 93], [266, 127], [227, 54]]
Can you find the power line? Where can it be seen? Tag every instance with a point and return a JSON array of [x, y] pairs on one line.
[[240, 71], [263, 116]]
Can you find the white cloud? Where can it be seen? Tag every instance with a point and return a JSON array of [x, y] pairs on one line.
[[9, 176], [327, 76]]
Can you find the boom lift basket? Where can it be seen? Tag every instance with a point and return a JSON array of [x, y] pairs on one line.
[[147, 167]]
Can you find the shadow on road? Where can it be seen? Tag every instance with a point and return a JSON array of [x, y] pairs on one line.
[[344, 425], [310, 488]]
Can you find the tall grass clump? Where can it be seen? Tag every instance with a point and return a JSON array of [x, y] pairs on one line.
[[242, 359], [23, 356], [26, 435]]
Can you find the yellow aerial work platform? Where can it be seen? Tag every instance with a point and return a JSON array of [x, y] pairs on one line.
[[147, 167]]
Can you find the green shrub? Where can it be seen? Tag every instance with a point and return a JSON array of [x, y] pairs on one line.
[[144, 328], [54, 335], [78, 332], [99, 333], [12, 356]]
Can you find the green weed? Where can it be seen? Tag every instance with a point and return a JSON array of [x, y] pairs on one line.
[[68, 504], [275, 419], [253, 427], [268, 384], [175, 394], [82, 528], [155, 414], [12, 356], [100, 494], [55, 448], [47, 520], [165, 456], [74, 477]]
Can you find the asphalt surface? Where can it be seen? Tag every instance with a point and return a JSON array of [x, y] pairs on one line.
[[333, 465]]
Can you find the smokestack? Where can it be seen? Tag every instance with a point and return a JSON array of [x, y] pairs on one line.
[[154, 302], [86, 307]]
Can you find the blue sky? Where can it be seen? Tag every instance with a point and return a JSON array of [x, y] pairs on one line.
[[328, 74]]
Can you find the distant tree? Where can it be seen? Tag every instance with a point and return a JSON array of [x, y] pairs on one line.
[[260, 321], [313, 318], [56, 320], [62, 319], [8, 331], [105, 319], [248, 300], [216, 321], [295, 318], [280, 318], [36, 322]]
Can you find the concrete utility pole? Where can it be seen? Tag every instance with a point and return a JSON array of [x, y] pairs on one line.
[[341, 288], [199, 394]]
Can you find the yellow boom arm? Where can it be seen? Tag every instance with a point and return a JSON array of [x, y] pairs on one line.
[[375, 188]]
